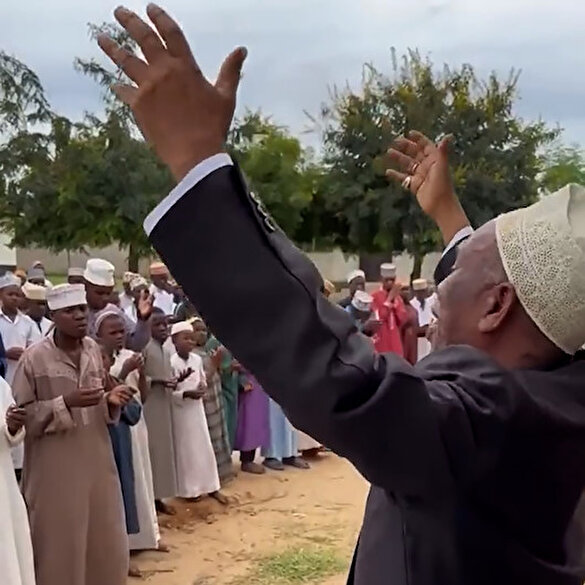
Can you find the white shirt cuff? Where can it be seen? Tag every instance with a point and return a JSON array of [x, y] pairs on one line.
[[194, 176], [460, 235]]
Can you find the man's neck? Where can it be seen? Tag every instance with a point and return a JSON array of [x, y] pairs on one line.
[[65, 342], [11, 314], [183, 356]]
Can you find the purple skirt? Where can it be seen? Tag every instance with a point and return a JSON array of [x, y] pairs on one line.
[[253, 430]]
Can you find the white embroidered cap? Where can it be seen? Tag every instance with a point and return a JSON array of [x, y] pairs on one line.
[[137, 281], [109, 310], [64, 296], [99, 272], [34, 292], [420, 284], [74, 271], [181, 326], [362, 301], [387, 270], [355, 274], [543, 252], [9, 279]]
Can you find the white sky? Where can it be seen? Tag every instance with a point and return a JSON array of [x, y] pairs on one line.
[[297, 48]]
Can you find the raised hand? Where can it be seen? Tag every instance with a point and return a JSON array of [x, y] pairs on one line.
[[84, 397], [182, 114], [120, 395], [424, 171], [144, 305], [15, 419]]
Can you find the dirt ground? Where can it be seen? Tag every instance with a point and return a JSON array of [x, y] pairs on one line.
[[282, 527]]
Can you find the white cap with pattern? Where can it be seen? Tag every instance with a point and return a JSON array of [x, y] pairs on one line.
[[543, 252], [64, 296], [99, 272], [9, 279], [362, 301]]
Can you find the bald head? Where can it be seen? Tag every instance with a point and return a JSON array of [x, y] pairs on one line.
[[478, 306]]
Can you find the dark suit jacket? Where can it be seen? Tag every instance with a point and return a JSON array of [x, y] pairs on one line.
[[476, 471]]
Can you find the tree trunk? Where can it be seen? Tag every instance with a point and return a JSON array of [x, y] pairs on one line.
[[133, 259], [417, 266]]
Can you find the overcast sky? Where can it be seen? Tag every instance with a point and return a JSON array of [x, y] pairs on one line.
[[299, 48]]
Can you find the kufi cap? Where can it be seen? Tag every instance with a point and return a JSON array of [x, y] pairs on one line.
[[362, 301], [35, 273], [128, 276], [137, 281], [329, 286], [75, 271], [34, 292], [99, 272], [181, 326], [9, 279], [542, 248], [63, 296], [420, 284], [109, 310], [355, 274], [387, 270], [158, 269]]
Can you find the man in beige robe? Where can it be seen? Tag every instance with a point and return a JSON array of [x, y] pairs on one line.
[[70, 481]]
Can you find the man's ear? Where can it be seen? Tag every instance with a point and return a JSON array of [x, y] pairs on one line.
[[497, 304]]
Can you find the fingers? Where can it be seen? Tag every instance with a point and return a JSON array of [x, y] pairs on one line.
[[396, 175], [406, 146], [148, 41], [231, 72], [125, 93], [406, 163], [420, 139], [171, 33], [130, 64]]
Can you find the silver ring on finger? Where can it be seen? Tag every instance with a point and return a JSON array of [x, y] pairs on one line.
[[406, 182], [413, 168]]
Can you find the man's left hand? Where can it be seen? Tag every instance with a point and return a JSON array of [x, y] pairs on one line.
[[144, 305], [15, 419]]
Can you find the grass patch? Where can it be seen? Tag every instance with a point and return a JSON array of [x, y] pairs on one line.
[[295, 565]]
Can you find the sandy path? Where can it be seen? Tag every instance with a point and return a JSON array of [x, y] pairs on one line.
[[271, 513]]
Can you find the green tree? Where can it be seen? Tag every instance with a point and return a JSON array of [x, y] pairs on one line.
[[562, 165], [495, 153], [277, 166]]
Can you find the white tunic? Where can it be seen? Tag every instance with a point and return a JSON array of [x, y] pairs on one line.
[[425, 316], [194, 455], [164, 300], [22, 332], [16, 555], [149, 535]]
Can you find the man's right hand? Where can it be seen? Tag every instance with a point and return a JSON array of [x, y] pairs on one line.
[[426, 167], [184, 116], [83, 397], [14, 353]]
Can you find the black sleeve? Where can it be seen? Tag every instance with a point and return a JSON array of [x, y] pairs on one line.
[[446, 263], [261, 296]]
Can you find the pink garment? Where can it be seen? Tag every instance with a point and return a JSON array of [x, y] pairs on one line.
[[392, 314]]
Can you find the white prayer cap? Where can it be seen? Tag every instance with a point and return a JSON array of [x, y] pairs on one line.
[[64, 296], [137, 281], [128, 276], [181, 326], [543, 252], [34, 292], [9, 279], [99, 272], [75, 271], [355, 274], [109, 310], [420, 284], [387, 270], [362, 301]]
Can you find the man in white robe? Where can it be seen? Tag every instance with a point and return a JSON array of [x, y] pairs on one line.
[[16, 555]]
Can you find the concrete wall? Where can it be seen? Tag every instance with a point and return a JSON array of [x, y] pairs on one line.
[[58, 263], [333, 265]]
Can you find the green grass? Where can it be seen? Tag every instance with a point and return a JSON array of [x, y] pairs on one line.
[[295, 565]]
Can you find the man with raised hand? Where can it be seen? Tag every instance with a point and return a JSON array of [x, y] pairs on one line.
[[476, 454]]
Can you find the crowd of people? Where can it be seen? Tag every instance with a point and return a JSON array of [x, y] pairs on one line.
[[115, 403]]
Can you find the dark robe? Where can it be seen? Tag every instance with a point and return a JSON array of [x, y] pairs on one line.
[[476, 471], [122, 447], [410, 335]]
